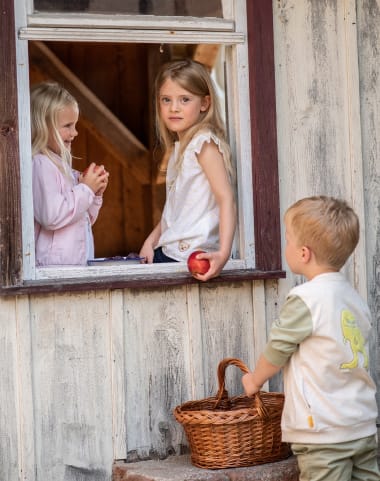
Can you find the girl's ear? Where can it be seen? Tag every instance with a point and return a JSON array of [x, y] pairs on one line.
[[205, 103]]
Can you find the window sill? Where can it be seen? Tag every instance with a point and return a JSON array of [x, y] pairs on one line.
[[137, 281]]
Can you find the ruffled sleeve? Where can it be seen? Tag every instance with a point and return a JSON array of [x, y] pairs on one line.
[[196, 143]]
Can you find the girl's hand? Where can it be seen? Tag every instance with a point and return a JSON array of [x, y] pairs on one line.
[[96, 178], [103, 187], [147, 249], [147, 252], [217, 262]]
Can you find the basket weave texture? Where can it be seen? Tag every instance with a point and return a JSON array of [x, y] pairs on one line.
[[226, 432]]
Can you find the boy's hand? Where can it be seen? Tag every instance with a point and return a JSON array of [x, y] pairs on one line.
[[249, 385]]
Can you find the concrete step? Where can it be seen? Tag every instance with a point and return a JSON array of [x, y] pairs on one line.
[[179, 468]]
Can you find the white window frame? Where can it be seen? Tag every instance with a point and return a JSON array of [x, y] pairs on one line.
[[230, 31]]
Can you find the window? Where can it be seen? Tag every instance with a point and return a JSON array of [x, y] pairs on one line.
[[42, 32], [193, 8]]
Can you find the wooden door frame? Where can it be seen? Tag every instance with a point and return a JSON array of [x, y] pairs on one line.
[[10, 188], [266, 198]]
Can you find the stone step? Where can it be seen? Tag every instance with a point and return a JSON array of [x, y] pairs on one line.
[[179, 468]]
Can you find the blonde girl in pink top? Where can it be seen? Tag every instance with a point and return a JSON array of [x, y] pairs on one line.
[[66, 203]]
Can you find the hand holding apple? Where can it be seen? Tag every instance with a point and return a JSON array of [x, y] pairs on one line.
[[95, 177], [197, 266], [96, 169]]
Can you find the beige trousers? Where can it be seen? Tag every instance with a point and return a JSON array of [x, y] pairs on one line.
[[349, 461]]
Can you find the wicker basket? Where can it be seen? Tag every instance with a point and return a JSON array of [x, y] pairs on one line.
[[231, 432]]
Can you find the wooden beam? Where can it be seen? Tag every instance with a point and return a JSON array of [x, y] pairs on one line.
[[266, 201], [96, 117], [147, 281], [10, 191]]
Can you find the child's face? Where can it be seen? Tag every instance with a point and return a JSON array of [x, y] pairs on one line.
[[179, 108], [293, 251], [66, 122]]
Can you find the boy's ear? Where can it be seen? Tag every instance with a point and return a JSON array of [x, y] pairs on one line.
[[305, 254], [205, 103]]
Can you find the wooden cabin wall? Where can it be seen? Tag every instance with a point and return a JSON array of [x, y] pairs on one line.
[[92, 377], [368, 16], [327, 90]]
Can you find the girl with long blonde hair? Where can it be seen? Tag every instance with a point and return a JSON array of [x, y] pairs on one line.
[[199, 212]]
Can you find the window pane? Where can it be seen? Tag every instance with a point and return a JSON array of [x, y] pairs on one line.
[[193, 8], [123, 83]]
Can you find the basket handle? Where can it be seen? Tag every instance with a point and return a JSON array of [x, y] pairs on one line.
[[222, 391]]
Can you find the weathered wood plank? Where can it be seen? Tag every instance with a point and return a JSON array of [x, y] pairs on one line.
[[259, 325], [10, 435], [227, 331], [157, 380], [26, 397], [118, 377], [10, 200], [274, 296], [263, 134], [347, 35], [139, 281], [70, 338], [193, 351], [368, 25], [318, 116]]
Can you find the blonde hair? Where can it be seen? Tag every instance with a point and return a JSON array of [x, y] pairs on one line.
[[328, 226], [46, 100], [193, 77]]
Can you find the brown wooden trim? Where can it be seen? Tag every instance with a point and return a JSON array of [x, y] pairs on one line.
[[264, 136], [10, 192], [135, 282]]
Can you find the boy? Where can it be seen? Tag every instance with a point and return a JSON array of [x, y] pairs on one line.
[[321, 341]]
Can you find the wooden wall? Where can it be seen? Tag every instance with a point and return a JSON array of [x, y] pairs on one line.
[[92, 377], [328, 91], [368, 17]]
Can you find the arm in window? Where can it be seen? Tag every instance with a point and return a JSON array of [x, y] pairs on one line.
[[147, 249], [212, 164]]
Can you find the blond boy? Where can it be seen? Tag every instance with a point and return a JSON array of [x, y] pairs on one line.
[[321, 342]]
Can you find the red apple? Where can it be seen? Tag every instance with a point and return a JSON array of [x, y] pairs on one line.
[[95, 169], [197, 266]]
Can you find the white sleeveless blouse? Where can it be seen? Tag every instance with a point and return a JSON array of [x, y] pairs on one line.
[[190, 220]]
